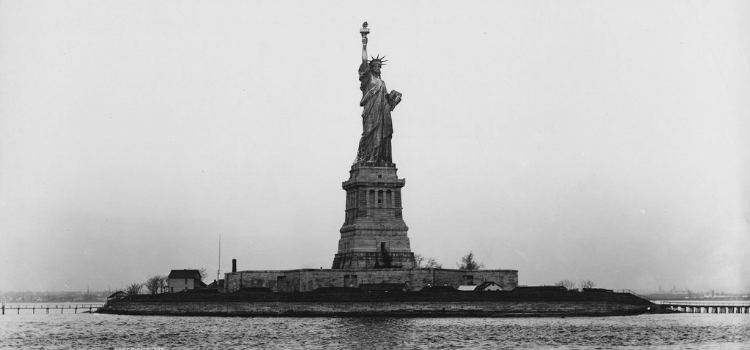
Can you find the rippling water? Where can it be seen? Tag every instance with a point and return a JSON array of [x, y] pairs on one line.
[[673, 331]]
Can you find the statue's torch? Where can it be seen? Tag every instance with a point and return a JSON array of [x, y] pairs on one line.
[[364, 31]]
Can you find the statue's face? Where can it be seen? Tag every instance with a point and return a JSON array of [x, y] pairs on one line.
[[375, 68]]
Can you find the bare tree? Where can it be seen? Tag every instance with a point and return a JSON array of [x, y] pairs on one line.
[[164, 283], [153, 284], [468, 263], [133, 289], [568, 284], [203, 272], [587, 284], [426, 263], [418, 260], [432, 264]]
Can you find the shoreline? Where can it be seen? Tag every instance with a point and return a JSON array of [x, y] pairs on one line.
[[352, 303]]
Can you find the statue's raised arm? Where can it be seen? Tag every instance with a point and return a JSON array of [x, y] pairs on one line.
[[364, 31]]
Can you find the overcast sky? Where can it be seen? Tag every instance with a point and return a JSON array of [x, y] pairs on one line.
[[564, 139]]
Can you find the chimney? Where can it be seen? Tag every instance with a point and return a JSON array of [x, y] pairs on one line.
[[234, 265]]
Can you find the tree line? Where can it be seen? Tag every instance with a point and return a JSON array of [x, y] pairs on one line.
[[155, 285], [468, 262], [570, 285]]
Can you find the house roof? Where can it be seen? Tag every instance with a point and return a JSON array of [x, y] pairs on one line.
[[384, 287], [215, 284], [185, 274], [117, 294], [466, 288], [484, 285]]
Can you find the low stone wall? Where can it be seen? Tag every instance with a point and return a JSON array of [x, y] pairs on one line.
[[387, 308], [305, 280]]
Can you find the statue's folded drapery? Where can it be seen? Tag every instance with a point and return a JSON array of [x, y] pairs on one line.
[[377, 128]]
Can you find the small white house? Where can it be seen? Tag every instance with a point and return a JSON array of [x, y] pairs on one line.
[[180, 280], [484, 287], [488, 287]]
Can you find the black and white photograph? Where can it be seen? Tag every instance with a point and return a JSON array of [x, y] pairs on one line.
[[233, 174]]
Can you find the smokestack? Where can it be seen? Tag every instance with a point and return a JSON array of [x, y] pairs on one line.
[[234, 265]]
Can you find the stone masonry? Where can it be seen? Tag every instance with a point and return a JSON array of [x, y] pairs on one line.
[[306, 280], [374, 231]]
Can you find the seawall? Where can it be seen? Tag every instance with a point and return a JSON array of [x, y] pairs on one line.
[[384, 308]]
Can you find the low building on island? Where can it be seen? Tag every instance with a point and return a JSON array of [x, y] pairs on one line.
[[306, 280], [489, 286], [181, 280], [218, 285]]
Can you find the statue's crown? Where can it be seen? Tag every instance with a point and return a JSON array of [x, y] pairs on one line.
[[378, 60]]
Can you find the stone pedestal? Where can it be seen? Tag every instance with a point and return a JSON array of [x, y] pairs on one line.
[[374, 232]]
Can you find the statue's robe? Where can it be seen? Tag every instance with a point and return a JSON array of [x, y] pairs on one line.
[[377, 128]]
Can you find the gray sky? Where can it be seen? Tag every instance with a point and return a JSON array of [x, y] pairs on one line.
[[567, 139]]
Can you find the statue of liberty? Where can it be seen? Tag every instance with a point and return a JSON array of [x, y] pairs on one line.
[[377, 128]]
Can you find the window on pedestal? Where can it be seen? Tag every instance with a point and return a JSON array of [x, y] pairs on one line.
[[371, 198], [388, 198], [380, 197], [350, 281]]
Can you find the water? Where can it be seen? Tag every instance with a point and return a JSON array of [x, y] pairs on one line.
[[668, 331]]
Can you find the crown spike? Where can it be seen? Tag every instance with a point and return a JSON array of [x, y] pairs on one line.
[[378, 59]]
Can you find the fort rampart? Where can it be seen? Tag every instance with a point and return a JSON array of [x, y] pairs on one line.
[[305, 280]]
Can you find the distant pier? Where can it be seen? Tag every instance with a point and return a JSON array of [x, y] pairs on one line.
[[706, 306], [93, 307]]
